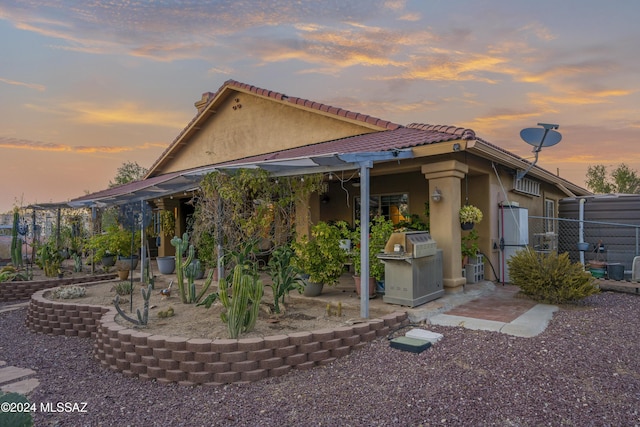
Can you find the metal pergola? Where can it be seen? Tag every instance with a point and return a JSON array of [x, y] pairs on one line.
[[176, 182]]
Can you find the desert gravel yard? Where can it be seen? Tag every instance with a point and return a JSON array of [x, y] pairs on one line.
[[584, 370]]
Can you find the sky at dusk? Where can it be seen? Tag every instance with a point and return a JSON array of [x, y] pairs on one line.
[[88, 85]]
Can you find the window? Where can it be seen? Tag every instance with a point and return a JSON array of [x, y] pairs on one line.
[[550, 215], [394, 207]]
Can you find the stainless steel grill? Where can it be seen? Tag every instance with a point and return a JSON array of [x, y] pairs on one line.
[[413, 269]]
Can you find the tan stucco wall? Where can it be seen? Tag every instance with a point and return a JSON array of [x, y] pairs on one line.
[[341, 196], [261, 125], [487, 191]]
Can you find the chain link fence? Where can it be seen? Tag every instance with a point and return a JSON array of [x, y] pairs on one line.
[[604, 241]]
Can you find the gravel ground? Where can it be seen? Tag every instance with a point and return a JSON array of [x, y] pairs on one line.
[[584, 370]]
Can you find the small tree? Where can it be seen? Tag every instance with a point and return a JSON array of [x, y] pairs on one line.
[[128, 172], [622, 180]]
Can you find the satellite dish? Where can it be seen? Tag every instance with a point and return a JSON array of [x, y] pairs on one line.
[[539, 137]]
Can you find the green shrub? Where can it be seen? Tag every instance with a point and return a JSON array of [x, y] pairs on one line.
[[123, 288], [550, 278], [20, 418]]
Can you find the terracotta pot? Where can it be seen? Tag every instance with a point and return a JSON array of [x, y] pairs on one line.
[[372, 285], [123, 274]]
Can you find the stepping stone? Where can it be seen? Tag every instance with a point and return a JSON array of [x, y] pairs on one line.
[[11, 373], [22, 387], [14, 307]]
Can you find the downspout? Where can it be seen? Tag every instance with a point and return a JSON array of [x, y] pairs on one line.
[[364, 238], [581, 227], [143, 237]]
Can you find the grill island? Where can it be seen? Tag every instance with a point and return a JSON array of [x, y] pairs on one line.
[[413, 269]]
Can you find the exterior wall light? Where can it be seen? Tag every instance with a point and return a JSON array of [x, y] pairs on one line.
[[437, 195]]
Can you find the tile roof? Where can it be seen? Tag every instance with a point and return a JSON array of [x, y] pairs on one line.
[[130, 187], [397, 139], [209, 97], [309, 104]]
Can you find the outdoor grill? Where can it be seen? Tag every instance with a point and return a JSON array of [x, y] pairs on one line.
[[413, 269]]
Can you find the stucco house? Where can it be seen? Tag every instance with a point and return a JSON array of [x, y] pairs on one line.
[[400, 167]]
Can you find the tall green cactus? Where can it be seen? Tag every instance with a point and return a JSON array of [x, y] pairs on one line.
[[243, 305], [16, 242], [189, 268], [182, 245]]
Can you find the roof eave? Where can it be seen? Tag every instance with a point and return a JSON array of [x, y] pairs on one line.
[[510, 160]]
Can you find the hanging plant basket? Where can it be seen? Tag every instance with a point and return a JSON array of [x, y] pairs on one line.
[[469, 215]]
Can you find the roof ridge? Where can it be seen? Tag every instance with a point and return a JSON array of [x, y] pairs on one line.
[[209, 97], [337, 111], [463, 133]]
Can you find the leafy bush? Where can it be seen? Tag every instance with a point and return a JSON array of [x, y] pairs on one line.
[[16, 418], [380, 231], [321, 256], [550, 278]]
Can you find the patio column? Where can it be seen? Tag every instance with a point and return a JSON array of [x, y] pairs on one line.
[[443, 217], [165, 248], [307, 214]]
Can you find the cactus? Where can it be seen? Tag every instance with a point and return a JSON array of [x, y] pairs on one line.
[[243, 305], [16, 242], [191, 271], [181, 246], [188, 268], [143, 318]]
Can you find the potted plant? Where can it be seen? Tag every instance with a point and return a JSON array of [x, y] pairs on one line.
[[126, 245], [469, 215], [379, 233], [115, 241], [124, 268], [166, 264], [206, 249], [346, 234], [101, 246], [320, 257], [469, 247]]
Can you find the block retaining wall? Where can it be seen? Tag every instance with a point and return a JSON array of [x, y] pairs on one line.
[[192, 361], [16, 291]]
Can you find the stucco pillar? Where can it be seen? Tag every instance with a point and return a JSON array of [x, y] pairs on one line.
[[443, 218], [165, 248], [307, 214]]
